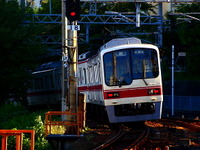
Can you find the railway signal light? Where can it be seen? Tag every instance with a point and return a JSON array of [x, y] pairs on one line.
[[73, 10]]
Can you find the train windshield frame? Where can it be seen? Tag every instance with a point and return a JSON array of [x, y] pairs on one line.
[[123, 66]]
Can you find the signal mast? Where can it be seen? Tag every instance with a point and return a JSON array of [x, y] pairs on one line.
[[70, 15]]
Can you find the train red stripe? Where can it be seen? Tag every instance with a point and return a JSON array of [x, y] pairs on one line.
[[123, 93]]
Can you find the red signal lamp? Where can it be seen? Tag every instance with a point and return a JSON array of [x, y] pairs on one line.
[[72, 9], [73, 13]]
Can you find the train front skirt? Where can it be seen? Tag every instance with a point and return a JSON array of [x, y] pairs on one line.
[[130, 113]]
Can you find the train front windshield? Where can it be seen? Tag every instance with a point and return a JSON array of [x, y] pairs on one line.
[[123, 66]]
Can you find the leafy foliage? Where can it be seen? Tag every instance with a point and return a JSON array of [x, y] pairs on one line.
[[18, 54], [17, 117], [185, 35], [54, 9]]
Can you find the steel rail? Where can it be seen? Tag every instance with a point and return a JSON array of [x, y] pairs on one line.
[[111, 140], [183, 124], [140, 140]]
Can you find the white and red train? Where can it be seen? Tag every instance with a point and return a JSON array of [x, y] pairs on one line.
[[122, 80]]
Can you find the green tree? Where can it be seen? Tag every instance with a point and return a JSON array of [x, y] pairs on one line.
[[54, 8], [185, 35], [18, 53], [189, 34]]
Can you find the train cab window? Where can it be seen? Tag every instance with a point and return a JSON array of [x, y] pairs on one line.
[[145, 63], [123, 66], [117, 68]]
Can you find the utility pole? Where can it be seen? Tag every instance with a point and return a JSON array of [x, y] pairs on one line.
[[137, 5], [160, 27], [172, 80], [65, 84], [72, 60], [70, 15]]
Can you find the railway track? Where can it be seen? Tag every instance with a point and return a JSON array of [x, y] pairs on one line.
[[112, 140], [140, 140], [163, 134], [174, 133], [176, 123], [126, 137], [183, 123]]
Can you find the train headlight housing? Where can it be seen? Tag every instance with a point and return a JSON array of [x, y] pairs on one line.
[[154, 91], [113, 94]]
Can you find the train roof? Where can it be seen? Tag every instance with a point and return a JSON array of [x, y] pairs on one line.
[[48, 66], [86, 55], [109, 44], [121, 41]]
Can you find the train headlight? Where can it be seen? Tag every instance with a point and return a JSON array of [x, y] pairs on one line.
[[113, 95], [154, 91]]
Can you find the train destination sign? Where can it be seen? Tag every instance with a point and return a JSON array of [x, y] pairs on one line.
[[139, 1]]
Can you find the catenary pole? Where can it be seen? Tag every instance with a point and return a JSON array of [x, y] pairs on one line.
[[64, 79], [172, 80], [69, 62], [73, 54]]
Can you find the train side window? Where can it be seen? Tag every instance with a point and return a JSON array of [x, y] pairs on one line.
[[51, 82], [91, 72], [40, 83], [32, 83], [80, 76], [59, 79], [96, 73], [47, 81], [99, 68], [88, 75], [35, 84], [85, 76]]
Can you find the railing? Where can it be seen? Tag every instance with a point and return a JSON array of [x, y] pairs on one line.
[[182, 103], [98, 19], [63, 122], [19, 135]]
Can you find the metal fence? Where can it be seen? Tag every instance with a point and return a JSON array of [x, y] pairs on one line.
[[186, 105]]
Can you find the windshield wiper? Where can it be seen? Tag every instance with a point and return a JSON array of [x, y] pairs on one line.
[[122, 80], [120, 83], [145, 81], [142, 77]]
